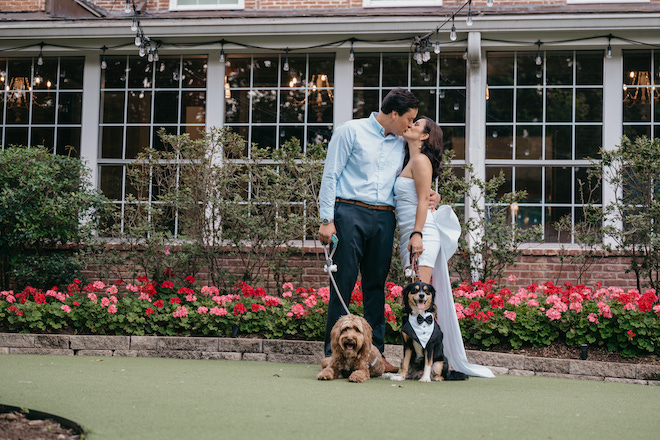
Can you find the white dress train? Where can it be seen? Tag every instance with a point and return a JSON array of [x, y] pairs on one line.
[[440, 237]]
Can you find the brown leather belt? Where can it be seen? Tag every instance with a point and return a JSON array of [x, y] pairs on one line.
[[365, 205]]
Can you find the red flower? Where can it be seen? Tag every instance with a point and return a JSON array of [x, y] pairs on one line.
[[175, 300], [496, 303], [76, 303], [630, 335], [160, 303], [185, 291], [258, 307], [239, 308], [190, 279], [474, 305], [169, 273], [77, 281], [149, 311], [142, 279], [40, 298], [167, 285], [118, 282]]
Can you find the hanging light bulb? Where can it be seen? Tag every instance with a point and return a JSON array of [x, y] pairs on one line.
[[436, 46], [609, 48], [452, 35], [156, 57], [489, 3], [134, 26], [351, 56], [418, 55], [127, 7], [222, 53], [469, 14], [40, 60], [538, 59], [285, 67], [465, 55], [138, 38], [427, 53], [104, 65], [150, 54], [141, 51]]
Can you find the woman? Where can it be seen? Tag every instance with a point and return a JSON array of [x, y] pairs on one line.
[[431, 236]]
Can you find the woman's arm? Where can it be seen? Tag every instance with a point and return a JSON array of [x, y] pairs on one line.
[[422, 175]]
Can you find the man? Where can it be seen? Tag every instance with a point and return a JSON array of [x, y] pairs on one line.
[[357, 204]]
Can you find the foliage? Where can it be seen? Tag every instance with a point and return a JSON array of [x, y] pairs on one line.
[[633, 171], [627, 322], [222, 200], [46, 202]]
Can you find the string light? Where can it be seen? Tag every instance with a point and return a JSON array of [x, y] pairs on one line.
[[285, 67], [40, 60], [436, 46], [469, 14], [427, 53], [351, 56], [134, 26], [538, 59], [609, 47], [127, 7], [222, 52], [489, 3], [104, 65], [452, 35]]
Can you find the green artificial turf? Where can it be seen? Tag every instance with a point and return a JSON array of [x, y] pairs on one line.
[[151, 398]]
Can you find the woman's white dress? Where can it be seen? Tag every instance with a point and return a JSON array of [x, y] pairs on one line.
[[440, 238]]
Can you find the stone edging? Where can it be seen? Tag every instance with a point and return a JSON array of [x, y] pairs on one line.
[[305, 352]]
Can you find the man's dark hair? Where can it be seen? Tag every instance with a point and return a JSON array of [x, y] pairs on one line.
[[399, 100]]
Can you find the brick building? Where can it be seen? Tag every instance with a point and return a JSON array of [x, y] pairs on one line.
[[532, 88]]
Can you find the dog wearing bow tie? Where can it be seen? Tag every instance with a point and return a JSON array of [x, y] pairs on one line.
[[423, 353]]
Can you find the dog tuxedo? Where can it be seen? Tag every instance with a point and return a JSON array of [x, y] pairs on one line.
[[425, 333]]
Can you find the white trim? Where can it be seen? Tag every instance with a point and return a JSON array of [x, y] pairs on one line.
[[399, 3], [174, 6], [568, 2]]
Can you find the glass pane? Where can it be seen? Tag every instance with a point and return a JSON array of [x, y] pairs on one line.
[[114, 75], [427, 103], [264, 137], [137, 139], [112, 142], [112, 106], [68, 141], [529, 179], [193, 107], [320, 107], [43, 108], [528, 216], [264, 106], [589, 105], [45, 76], [166, 107], [167, 72], [559, 68], [70, 108], [139, 107], [453, 138], [365, 102], [139, 74], [44, 136], [237, 106], [633, 131], [425, 74], [287, 133], [637, 104], [588, 141], [157, 142], [529, 142], [111, 181], [194, 72], [265, 71], [558, 183], [583, 185], [499, 106], [559, 105], [71, 73], [237, 71], [322, 67], [656, 67], [507, 172], [15, 136], [529, 105], [552, 216], [395, 70], [292, 105], [195, 132], [316, 134], [529, 73], [500, 69], [452, 106], [589, 67], [366, 70], [295, 77], [636, 67], [453, 69], [558, 142], [499, 142]]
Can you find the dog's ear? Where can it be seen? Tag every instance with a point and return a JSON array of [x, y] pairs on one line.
[[334, 337], [431, 291], [367, 335], [406, 292]]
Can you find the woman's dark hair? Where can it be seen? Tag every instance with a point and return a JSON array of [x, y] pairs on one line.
[[399, 100], [432, 147]]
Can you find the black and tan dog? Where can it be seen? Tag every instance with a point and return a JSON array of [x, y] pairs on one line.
[[423, 353]]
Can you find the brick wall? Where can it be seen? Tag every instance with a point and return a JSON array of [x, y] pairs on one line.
[[22, 5]]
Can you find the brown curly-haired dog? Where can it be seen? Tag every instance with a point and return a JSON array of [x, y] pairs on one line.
[[353, 354]]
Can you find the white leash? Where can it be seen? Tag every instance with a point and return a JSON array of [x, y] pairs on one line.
[[330, 267]]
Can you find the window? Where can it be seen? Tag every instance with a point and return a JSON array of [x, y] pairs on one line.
[[269, 105], [41, 103], [544, 116], [186, 5], [138, 98], [641, 93]]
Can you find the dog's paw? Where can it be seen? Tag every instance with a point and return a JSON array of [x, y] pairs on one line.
[[358, 376], [425, 379], [326, 374], [397, 377]]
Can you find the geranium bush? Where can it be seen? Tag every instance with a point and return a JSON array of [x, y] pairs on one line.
[[627, 322], [148, 308]]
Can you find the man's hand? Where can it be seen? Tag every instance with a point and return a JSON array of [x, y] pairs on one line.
[[434, 200], [326, 232]]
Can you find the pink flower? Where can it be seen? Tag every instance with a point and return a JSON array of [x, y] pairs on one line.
[[210, 291], [112, 308], [310, 301], [166, 249], [10, 298], [656, 309], [553, 314], [66, 308], [112, 290], [191, 297], [512, 278], [202, 310], [510, 315], [577, 306], [91, 296], [298, 310], [287, 294], [630, 306], [105, 301], [270, 300], [287, 286], [98, 285], [592, 317], [533, 303], [113, 299], [180, 312], [133, 288], [218, 311]]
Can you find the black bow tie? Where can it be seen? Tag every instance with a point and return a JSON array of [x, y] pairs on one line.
[[421, 319]]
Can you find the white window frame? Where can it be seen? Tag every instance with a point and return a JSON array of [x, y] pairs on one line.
[[605, 1], [399, 3], [174, 6]]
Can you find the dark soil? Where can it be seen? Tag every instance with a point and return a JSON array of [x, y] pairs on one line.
[[15, 426]]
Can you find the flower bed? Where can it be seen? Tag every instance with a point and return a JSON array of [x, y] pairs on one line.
[[536, 315]]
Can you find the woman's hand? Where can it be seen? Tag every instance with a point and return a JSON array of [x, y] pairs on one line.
[[434, 200], [415, 245]]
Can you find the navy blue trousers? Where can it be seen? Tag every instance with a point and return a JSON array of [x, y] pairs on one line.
[[366, 238]]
